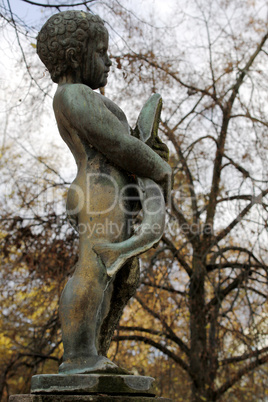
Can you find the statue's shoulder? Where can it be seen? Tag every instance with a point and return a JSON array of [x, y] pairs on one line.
[[73, 94], [78, 101]]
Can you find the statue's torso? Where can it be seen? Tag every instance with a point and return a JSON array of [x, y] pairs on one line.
[[95, 198]]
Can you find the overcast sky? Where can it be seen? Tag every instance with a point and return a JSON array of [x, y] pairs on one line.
[[33, 15]]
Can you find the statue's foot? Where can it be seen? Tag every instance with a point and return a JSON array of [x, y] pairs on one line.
[[91, 364], [111, 256]]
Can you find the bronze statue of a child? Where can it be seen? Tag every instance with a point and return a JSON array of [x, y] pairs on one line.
[[73, 46]]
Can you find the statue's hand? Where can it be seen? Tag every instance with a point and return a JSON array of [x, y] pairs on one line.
[[159, 147], [153, 142], [166, 181]]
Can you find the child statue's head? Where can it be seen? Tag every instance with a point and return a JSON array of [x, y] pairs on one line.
[[74, 44]]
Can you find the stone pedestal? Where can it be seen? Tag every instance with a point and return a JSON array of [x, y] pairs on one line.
[[92, 384], [84, 398], [90, 387]]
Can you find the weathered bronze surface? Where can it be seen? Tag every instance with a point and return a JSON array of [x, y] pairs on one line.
[[115, 165]]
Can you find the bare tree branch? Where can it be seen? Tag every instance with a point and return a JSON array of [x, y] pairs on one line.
[[245, 356], [237, 376], [170, 134], [211, 209], [172, 335], [221, 294], [232, 264], [177, 255], [248, 116], [163, 287], [240, 216], [82, 3], [156, 345]]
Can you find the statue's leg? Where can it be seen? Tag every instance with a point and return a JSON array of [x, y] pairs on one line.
[[80, 308]]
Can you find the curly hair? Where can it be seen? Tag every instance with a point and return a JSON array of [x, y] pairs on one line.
[[62, 31]]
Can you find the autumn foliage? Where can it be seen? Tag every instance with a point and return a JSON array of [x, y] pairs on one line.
[[198, 320]]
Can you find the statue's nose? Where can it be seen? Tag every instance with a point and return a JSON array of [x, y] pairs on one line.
[[108, 61]]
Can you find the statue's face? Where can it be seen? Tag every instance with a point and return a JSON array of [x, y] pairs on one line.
[[97, 63]]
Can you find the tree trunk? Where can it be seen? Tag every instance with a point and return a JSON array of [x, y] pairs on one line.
[[198, 354]]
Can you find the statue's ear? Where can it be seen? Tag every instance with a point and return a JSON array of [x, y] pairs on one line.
[[71, 58]]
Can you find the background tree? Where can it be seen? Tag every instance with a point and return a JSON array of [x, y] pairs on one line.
[[215, 118], [198, 319]]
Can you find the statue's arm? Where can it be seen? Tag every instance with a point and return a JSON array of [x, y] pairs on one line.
[[93, 121]]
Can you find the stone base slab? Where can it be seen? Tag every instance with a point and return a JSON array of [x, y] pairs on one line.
[[92, 384], [84, 398]]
